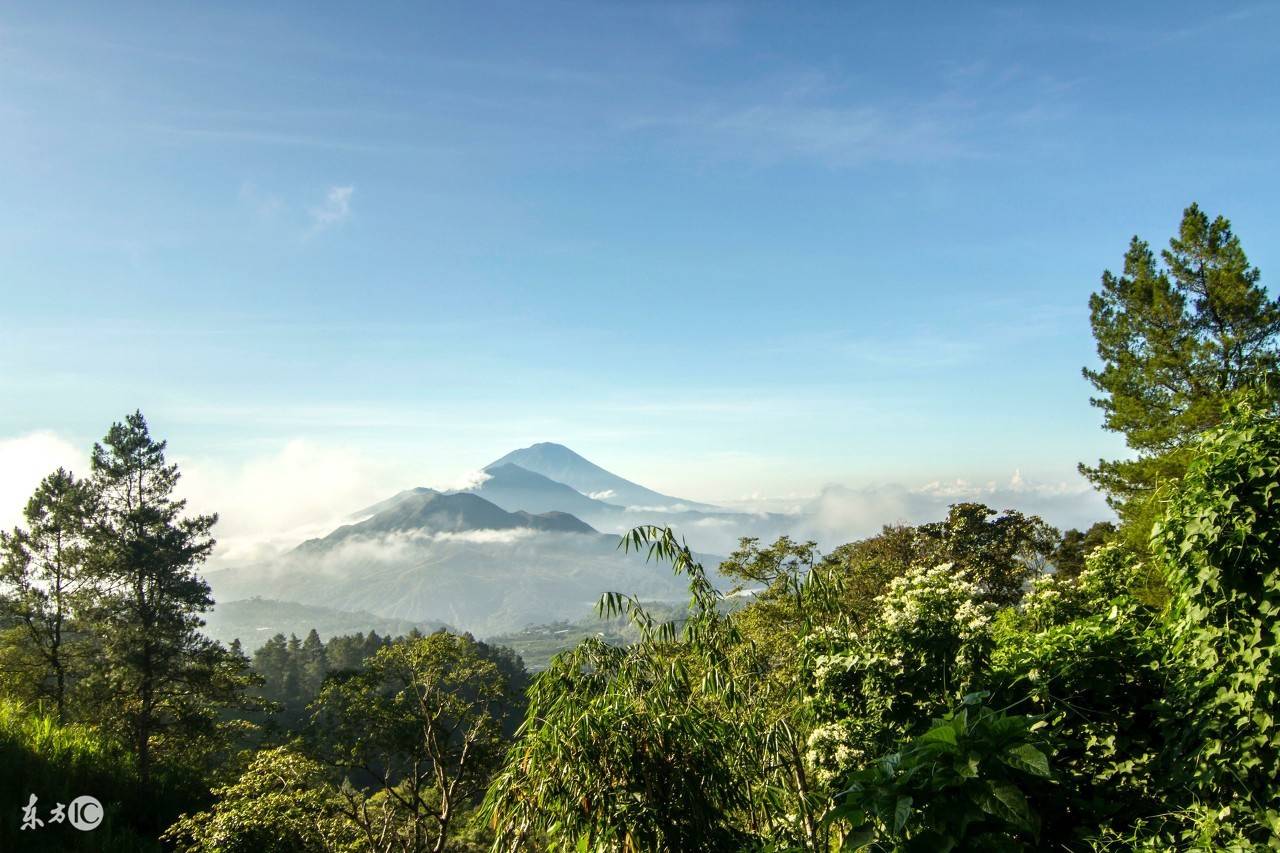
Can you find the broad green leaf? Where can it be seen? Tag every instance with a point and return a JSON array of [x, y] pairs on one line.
[[1026, 757]]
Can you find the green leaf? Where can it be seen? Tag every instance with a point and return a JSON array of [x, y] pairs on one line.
[[901, 811], [860, 837], [1007, 802], [940, 734], [1027, 758]]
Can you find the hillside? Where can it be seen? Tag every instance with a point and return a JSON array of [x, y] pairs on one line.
[[426, 511]]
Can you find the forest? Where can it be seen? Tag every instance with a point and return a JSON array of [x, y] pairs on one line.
[[980, 682]]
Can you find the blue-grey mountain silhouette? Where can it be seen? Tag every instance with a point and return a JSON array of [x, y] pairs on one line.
[[559, 463]]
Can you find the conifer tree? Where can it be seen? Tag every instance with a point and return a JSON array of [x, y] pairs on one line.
[[293, 672], [46, 572], [271, 662], [314, 665], [1178, 339], [159, 675]]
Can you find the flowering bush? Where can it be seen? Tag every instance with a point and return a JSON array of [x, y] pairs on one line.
[[1112, 576], [873, 685]]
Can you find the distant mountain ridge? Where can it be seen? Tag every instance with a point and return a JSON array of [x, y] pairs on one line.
[[428, 511], [253, 621], [559, 463]]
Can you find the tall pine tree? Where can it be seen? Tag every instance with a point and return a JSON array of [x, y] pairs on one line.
[[1178, 338], [47, 577], [162, 679]]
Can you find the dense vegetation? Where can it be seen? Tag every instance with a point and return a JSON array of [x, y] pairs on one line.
[[981, 682]]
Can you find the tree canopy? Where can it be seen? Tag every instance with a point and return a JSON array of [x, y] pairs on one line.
[[1178, 337]]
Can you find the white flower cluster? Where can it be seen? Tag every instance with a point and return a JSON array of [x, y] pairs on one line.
[[926, 597], [1110, 572], [832, 751]]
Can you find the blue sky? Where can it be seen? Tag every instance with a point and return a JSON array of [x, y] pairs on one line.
[[721, 249]]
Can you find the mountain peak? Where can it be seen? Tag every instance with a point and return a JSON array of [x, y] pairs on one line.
[[564, 465]]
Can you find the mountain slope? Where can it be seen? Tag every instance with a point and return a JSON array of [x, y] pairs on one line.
[[393, 500], [561, 464], [424, 511], [478, 582], [514, 488]]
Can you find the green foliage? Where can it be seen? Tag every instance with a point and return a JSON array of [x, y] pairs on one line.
[[1220, 541], [282, 803], [1113, 576], [47, 582], [625, 748], [422, 724], [998, 551], [58, 763], [876, 683], [793, 593], [864, 568], [1099, 683], [1177, 341], [1069, 557], [961, 785]]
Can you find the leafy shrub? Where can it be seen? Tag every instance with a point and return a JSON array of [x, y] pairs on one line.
[[962, 785], [923, 650], [1220, 541], [1099, 683], [283, 803], [631, 748]]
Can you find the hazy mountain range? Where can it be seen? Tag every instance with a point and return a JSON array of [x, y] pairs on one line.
[[523, 546], [535, 541]]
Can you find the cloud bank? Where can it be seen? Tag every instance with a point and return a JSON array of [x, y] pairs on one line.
[[841, 514], [273, 501], [25, 461], [302, 489]]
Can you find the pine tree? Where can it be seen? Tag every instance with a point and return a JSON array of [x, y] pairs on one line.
[[159, 674], [345, 653], [314, 664], [372, 643], [271, 662], [293, 697], [1178, 339], [47, 574]]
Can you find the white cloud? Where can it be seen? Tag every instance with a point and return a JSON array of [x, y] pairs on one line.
[[602, 496], [664, 509], [841, 514], [487, 536], [275, 500], [25, 461], [469, 480], [335, 209]]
